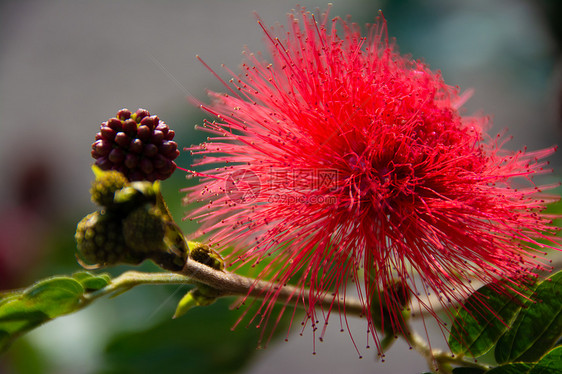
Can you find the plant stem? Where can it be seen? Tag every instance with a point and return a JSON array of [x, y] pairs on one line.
[[224, 283], [130, 279], [233, 284], [438, 360]]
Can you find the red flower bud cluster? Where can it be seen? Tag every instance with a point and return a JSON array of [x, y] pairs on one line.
[[138, 145]]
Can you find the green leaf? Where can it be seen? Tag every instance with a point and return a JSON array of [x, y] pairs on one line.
[[92, 282], [516, 368], [537, 327], [53, 297], [483, 319], [36, 305], [550, 363], [468, 370], [4, 298]]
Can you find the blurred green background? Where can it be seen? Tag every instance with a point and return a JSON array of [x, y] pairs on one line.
[[66, 66]]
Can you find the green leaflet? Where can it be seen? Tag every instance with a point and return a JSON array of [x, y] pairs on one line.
[[516, 368], [52, 296], [537, 327], [47, 299], [550, 363], [483, 319], [92, 282], [36, 305]]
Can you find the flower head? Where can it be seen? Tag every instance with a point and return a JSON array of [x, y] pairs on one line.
[[136, 144], [348, 162]]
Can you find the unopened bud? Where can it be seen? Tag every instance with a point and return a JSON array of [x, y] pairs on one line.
[[143, 230], [100, 241], [105, 185], [139, 145]]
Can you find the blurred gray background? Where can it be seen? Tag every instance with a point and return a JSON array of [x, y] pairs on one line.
[[66, 66]]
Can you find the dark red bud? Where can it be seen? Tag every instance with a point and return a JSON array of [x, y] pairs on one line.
[[163, 127], [122, 139], [166, 172], [107, 133], [143, 133], [115, 124], [168, 149], [166, 167], [103, 163], [157, 137], [116, 155], [130, 127], [135, 146], [146, 166], [131, 160], [124, 114], [101, 147], [148, 122], [141, 113], [159, 161], [150, 150], [170, 135]]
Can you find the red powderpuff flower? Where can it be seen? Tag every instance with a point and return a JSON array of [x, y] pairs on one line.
[[346, 161]]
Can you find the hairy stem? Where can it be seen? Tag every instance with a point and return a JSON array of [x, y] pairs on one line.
[[225, 284], [130, 279], [233, 284]]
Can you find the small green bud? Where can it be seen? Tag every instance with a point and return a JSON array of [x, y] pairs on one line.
[[106, 184], [100, 241], [199, 296], [205, 255], [143, 230]]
